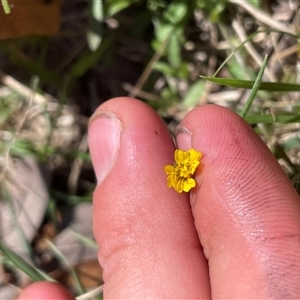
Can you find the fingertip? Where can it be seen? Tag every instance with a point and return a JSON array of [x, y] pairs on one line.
[[116, 104], [245, 208], [45, 290]]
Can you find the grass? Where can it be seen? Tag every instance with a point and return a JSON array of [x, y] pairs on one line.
[[49, 86]]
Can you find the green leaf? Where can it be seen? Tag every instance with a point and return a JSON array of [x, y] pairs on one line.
[[195, 92], [163, 31], [167, 24], [95, 30], [239, 72], [6, 7], [22, 147], [216, 12], [167, 94], [163, 67], [174, 49], [183, 71], [87, 60], [291, 143], [175, 12], [115, 6], [5, 113], [155, 5], [213, 7], [248, 84]]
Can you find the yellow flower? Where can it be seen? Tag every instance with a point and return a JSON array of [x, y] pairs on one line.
[[180, 174]]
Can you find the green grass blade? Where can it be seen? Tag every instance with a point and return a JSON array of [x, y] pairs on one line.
[[250, 37], [35, 67], [63, 260], [20, 263], [85, 240], [271, 119], [15, 220], [85, 62], [248, 84], [255, 88]]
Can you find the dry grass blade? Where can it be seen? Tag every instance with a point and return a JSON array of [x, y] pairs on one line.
[[263, 17], [91, 294], [76, 167], [20, 88], [240, 31], [145, 75]]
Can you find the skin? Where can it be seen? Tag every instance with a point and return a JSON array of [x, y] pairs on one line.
[[45, 291], [235, 236]]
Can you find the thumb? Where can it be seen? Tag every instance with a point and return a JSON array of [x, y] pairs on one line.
[[247, 213]]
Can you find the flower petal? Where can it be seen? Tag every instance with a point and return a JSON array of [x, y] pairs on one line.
[[188, 184], [193, 166], [180, 156], [178, 185], [194, 154], [170, 180], [169, 169]]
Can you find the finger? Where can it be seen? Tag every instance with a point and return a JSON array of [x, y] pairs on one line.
[[246, 210], [148, 245], [45, 290]]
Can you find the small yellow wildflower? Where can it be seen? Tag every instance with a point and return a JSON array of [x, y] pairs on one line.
[[180, 174]]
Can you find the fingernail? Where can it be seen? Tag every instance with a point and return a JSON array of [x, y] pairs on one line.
[[104, 140], [183, 137]]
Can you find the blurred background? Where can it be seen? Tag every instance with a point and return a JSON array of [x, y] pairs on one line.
[[59, 60]]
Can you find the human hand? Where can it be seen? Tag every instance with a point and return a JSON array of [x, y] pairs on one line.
[[234, 236]]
